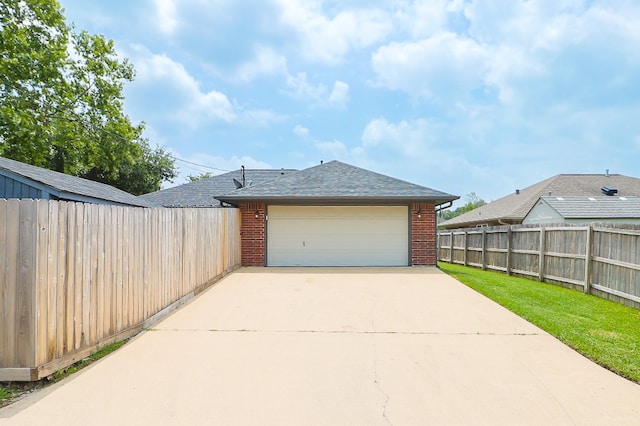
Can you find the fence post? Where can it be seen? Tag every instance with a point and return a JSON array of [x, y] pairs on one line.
[[542, 253], [509, 232], [466, 245], [484, 249], [588, 260], [451, 249]]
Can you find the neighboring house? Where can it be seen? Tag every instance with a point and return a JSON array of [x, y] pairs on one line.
[[20, 180], [584, 210], [335, 214], [512, 208], [203, 192]]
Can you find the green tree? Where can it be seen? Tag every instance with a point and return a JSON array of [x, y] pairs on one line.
[[200, 176], [473, 202], [61, 101]]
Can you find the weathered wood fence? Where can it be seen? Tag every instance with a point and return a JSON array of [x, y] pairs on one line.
[[75, 276], [603, 261]]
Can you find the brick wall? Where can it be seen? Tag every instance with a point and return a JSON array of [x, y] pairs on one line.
[[252, 234], [423, 234]]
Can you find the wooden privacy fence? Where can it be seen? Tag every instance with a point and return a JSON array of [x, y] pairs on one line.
[[75, 276], [599, 260]]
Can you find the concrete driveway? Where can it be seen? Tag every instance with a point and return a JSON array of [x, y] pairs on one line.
[[394, 346]]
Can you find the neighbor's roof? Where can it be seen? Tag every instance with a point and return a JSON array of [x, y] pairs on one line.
[[66, 186], [337, 182], [602, 207], [203, 192], [514, 207]]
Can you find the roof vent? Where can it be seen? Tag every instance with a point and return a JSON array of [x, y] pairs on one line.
[[609, 190], [517, 191]]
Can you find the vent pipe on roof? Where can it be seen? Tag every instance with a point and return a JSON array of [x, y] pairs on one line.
[[244, 179], [321, 162], [606, 173], [517, 192]]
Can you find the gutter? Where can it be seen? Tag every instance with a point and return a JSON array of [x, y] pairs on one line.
[[443, 206]]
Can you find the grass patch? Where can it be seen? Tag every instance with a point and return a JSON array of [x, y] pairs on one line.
[[604, 331], [10, 391]]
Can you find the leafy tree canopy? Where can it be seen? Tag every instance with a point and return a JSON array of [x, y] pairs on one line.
[[203, 175], [61, 102], [473, 202]]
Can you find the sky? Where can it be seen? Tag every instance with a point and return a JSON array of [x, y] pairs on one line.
[[481, 97]]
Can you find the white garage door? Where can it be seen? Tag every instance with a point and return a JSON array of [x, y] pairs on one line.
[[338, 236]]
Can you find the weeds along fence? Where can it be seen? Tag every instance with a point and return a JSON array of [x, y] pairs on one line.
[[597, 259], [74, 277]]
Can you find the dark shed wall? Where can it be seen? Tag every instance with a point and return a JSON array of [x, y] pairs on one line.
[[11, 188]]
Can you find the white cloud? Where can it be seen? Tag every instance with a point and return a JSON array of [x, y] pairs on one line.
[[328, 39], [266, 62], [317, 95], [423, 17], [301, 88], [340, 94], [410, 138], [166, 19], [192, 104], [443, 65], [301, 131], [335, 148], [185, 100]]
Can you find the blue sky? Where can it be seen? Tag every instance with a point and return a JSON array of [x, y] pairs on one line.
[[459, 96]]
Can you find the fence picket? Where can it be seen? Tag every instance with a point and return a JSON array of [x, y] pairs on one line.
[[596, 259], [73, 275]]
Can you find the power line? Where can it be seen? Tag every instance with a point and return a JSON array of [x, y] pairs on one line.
[[199, 165]]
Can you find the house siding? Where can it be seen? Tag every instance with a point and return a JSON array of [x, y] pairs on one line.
[[11, 188], [252, 234], [423, 234]]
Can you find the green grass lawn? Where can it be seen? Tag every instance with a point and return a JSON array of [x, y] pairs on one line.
[[604, 331], [11, 390]]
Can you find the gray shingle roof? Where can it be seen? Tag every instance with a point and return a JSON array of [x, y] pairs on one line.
[[602, 207], [337, 182], [203, 193], [66, 186], [514, 207]]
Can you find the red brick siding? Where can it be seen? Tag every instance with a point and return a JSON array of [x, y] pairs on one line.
[[252, 234], [423, 234]]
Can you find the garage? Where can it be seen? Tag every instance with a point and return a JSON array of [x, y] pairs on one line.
[[337, 236], [336, 214]]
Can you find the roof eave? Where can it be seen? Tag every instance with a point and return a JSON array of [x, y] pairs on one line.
[[362, 200]]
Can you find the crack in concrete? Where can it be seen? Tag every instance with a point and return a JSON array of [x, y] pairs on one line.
[[375, 376], [406, 333], [378, 385]]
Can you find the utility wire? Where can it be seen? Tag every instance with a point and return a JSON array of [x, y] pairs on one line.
[[199, 165]]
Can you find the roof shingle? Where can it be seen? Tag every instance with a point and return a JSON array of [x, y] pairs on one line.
[[603, 207], [203, 192], [515, 206], [62, 184], [337, 182]]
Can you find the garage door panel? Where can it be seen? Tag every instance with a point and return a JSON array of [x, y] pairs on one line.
[[337, 236]]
